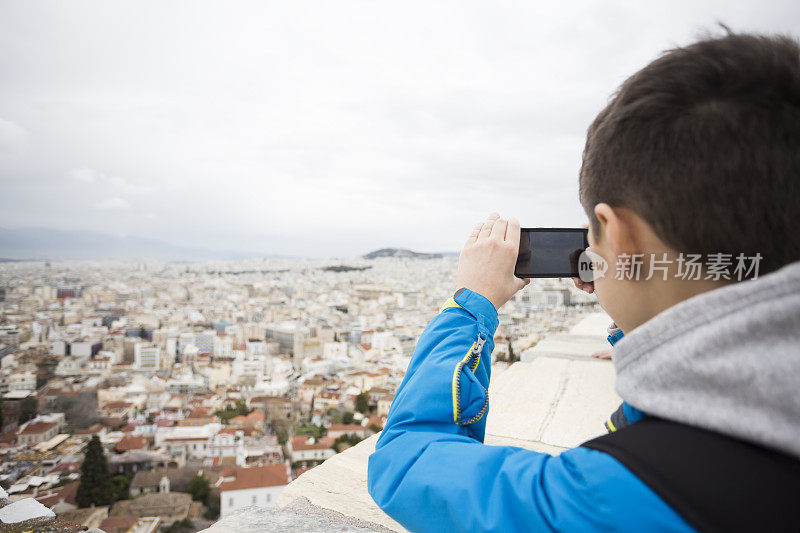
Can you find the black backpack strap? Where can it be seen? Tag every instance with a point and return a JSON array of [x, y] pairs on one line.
[[715, 482]]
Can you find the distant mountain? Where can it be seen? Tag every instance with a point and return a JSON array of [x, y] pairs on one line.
[[45, 243], [400, 253]]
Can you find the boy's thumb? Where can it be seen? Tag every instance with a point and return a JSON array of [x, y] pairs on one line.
[[521, 283]]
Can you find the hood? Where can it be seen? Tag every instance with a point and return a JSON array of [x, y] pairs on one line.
[[726, 360]]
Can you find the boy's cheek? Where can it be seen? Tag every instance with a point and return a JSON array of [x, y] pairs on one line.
[[608, 296]]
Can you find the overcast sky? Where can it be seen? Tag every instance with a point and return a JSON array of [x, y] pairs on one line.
[[318, 128]]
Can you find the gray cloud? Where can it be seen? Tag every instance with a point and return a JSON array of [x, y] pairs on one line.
[[317, 128], [13, 138], [115, 202]]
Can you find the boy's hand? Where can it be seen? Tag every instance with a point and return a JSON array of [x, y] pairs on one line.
[[486, 264]]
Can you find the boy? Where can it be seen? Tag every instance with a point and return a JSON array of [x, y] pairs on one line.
[[697, 155]]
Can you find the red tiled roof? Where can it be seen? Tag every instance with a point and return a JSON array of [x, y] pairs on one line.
[[300, 443], [69, 491], [37, 428], [118, 405], [131, 442], [66, 493], [199, 412], [118, 524], [269, 399], [185, 439], [255, 477], [255, 416]]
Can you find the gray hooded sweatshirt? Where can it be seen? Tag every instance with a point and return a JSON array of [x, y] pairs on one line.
[[726, 360]]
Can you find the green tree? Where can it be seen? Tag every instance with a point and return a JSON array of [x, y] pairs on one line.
[[231, 411], [198, 488], [280, 428], [347, 418], [347, 440], [311, 430], [96, 487], [511, 356], [362, 402], [122, 485], [28, 409], [212, 507]]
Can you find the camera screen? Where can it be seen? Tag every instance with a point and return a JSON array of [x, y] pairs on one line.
[[550, 252]]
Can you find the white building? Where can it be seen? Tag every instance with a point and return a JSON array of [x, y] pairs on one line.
[[85, 348], [277, 386], [306, 449], [147, 357], [256, 348], [317, 365], [15, 380], [334, 350], [204, 341], [226, 445], [223, 346], [191, 442], [386, 343], [70, 365], [256, 485]]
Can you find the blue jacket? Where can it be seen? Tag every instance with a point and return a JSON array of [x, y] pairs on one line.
[[431, 471]]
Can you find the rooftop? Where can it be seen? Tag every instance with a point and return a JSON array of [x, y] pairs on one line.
[[35, 428], [301, 443], [255, 477]]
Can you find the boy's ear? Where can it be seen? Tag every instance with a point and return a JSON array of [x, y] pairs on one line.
[[617, 229]]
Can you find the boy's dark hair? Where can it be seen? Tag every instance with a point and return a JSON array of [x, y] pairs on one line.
[[704, 144]]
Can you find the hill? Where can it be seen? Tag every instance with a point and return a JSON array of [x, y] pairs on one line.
[[400, 253]]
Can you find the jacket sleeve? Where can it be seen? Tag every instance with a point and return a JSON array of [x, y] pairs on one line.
[[431, 471]]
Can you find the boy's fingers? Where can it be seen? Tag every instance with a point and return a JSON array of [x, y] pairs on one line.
[[499, 229], [585, 286], [475, 231], [513, 232], [486, 230]]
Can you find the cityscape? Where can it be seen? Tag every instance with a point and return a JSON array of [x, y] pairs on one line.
[[225, 227], [198, 388]]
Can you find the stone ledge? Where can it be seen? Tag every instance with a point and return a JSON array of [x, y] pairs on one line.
[[340, 484], [298, 516], [551, 404]]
